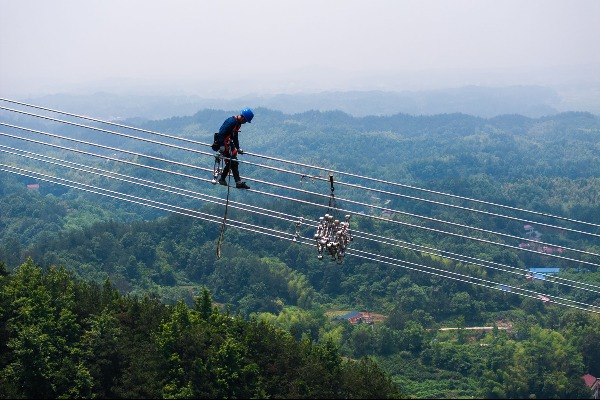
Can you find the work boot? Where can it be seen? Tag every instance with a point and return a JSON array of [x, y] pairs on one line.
[[222, 182], [241, 185]]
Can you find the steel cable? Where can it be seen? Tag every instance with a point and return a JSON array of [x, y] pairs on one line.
[[315, 194], [273, 233], [269, 213]]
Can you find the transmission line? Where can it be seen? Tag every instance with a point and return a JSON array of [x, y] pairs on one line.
[[269, 213], [113, 194], [320, 168], [341, 183], [287, 187], [275, 233], [474, 261], [497, 287], [322, 195]]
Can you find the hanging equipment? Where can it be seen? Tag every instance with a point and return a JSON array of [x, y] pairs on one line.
[[332, 234]]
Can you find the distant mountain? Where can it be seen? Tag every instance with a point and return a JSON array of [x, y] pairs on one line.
[[529, 101]]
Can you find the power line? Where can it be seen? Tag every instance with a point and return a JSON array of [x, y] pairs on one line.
[[135, 181], [106, 122], [322, 195], [134, 137], [434, 192], [316, 167], [341, 183], [475, 261], [113, 194], [268, 213], [498, 287], [539, 243], [290, 188], [274, 233]]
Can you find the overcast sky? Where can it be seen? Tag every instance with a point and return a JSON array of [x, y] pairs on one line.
[[277, 46]]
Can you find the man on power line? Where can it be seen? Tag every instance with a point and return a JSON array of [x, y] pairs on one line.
[[229, 145]]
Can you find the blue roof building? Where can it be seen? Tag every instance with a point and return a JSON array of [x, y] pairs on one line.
[[540, 273]]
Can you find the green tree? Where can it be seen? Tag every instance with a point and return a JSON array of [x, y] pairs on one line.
[[413, 336], [46, 359], [100, 349], [204, 304], [544, 365], [362, 341], [366, 380]]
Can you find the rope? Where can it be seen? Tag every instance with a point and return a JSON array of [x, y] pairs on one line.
[[220, 241]]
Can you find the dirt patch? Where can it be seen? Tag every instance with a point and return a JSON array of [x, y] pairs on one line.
[[504, 324], [336, 313]]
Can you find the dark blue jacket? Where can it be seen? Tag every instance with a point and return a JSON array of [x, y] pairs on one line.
[[230, 128]]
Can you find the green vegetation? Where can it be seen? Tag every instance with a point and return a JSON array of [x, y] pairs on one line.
[[117, 281], [63, 338]]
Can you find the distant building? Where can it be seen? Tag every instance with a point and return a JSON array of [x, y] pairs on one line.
[[34, 186], [593, 383], [543, 298], [545, 270], [536, 246], [540, 273], [531, 233], [357, 317]]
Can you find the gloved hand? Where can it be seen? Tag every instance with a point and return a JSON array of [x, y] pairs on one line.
[[240, 151], [222, 149]]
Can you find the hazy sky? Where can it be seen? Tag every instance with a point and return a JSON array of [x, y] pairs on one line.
[[233, 46]]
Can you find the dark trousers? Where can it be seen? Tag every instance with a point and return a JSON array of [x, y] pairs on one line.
[[233, 165]]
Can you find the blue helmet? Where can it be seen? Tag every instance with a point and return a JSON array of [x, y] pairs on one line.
[[247, 114]]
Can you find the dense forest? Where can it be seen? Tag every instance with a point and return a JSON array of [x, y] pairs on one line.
[[63, 338], [423, 338]]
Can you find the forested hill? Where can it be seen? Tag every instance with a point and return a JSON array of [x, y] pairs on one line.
[[64, 338], [549, 164], [506, 146], [445, 151]]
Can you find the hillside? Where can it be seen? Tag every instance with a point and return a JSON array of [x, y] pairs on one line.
[[546, 164]]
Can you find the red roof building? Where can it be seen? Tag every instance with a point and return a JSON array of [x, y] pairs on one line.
[[361, 318], [357, 317], [593, 383]]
